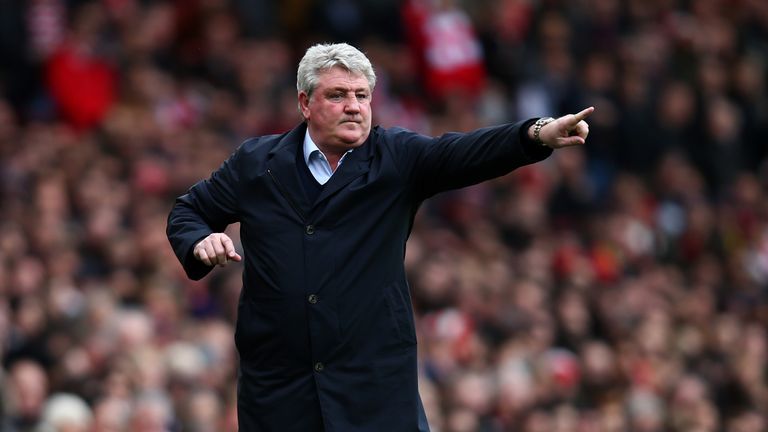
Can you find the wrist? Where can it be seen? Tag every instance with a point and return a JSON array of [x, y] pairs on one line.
[[534, 132]]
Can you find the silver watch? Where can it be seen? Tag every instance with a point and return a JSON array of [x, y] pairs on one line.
[[540, 123]]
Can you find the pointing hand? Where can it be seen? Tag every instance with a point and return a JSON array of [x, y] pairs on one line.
[[568, 130]]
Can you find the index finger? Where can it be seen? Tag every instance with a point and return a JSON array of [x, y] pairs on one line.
[[583, 114], [229, 247]]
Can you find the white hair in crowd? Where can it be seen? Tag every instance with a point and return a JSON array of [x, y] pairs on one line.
[[65, 411]]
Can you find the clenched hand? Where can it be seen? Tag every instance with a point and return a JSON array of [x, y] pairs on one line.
[[216, 249]]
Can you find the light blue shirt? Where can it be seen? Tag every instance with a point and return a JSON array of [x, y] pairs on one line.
[[316, 162]]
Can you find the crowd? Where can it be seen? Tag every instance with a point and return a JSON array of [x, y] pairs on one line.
[[618, 287]]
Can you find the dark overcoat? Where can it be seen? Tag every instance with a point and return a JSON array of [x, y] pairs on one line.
[[325, 328]]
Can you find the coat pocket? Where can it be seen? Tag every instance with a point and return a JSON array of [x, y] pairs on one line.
[[401, 312], [257, 330]]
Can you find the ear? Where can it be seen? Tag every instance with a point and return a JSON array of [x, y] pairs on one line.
[[304, 105]]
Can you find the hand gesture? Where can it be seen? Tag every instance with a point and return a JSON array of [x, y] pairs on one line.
[[568, 130], [216, 249]]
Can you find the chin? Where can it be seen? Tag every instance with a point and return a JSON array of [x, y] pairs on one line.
[[352, 139], [352, 142]]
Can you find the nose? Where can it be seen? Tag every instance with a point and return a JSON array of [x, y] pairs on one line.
[[352, 105]]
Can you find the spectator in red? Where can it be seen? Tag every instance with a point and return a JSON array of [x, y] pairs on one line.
[[81, 82], [448, 52]]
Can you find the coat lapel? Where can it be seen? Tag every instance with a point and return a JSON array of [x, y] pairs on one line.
[[355, 164], [282, 166]]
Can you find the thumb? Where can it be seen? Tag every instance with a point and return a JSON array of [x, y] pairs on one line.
[[234, 256], [570, 141]]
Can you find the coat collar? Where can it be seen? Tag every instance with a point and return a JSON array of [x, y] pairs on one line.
[[282, 164]]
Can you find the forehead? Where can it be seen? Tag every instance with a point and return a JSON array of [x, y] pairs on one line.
[[337, 77]]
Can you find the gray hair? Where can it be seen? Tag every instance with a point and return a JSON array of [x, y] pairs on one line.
[[322, 57]]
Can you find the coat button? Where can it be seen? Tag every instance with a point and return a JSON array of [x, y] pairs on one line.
[[319, 367], [312, 299], [309, 229]]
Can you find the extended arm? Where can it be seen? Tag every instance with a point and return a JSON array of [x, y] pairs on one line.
[[457, 160]]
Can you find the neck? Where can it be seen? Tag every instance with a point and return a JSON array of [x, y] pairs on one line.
[[333, 159], [333, 156]]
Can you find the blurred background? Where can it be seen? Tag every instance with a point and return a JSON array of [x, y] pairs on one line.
[[618, 287]]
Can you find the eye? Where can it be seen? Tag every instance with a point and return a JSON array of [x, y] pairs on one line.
[[336, 97], [362, 97]]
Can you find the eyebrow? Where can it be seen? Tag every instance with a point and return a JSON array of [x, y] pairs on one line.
[[346, 89]]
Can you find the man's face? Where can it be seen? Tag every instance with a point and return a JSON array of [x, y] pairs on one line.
[[338, 113]]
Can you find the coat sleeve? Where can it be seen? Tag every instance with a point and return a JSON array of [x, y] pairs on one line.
[[209, 206], [456, 160]]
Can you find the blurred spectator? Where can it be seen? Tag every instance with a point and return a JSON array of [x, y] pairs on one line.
[[81, 82], [24, 393], [65, 413], [448, 53]]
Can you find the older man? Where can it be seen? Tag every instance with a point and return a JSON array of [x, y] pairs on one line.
[[325, 327]]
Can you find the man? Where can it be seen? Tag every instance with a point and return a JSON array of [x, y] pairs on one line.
[[325, 327]]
